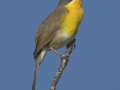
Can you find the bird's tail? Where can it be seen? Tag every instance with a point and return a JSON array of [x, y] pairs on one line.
[[38, 62]]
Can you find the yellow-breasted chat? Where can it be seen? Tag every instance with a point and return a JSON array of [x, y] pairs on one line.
[[57, 30]]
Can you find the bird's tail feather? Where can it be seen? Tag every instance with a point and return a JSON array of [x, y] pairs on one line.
[[38, 62]]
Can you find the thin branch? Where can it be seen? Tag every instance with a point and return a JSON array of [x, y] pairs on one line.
[[64, 62]]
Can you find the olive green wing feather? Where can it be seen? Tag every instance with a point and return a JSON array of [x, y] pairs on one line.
[[47, 30]]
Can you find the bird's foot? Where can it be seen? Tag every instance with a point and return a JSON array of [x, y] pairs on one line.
[[72, 43], [64, 57]]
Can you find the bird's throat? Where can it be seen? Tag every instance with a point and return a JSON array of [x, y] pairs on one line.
[[71, 19]]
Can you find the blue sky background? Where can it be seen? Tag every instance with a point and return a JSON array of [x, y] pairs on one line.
[[93, 65]]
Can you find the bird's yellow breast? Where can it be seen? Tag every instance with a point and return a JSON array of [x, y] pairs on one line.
[[72, 18]]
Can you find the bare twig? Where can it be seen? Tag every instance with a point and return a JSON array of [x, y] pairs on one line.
[[63, 64]]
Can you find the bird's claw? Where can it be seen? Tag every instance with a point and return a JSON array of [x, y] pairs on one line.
[[64, 57]]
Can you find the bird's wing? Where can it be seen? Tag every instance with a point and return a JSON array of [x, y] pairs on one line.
[[47, 30]]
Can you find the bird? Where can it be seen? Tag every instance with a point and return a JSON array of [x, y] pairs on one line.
[[57, 30]]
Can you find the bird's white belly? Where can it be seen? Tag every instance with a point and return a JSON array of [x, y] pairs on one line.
[[61, 39]]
